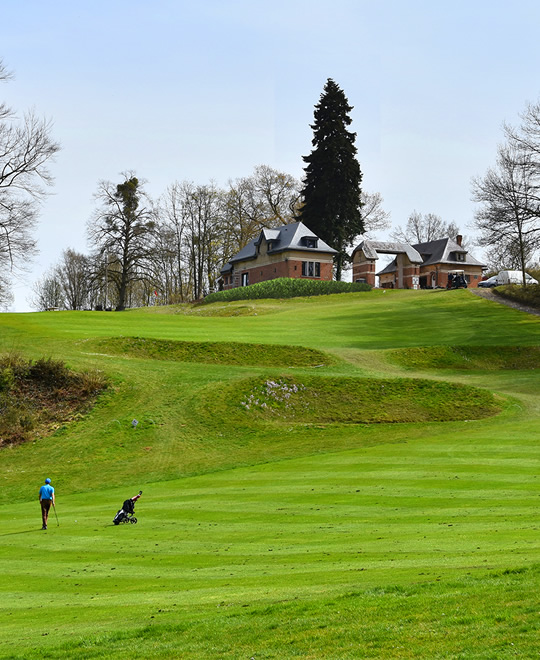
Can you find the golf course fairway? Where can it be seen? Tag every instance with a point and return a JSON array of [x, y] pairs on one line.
[[346, 476]]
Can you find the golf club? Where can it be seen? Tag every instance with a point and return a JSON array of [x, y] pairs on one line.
[[57, 523]]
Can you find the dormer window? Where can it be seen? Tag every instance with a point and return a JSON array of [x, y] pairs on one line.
[[460, 256], [310, 242]]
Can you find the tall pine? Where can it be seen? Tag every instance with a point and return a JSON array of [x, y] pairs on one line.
[[331, 192]]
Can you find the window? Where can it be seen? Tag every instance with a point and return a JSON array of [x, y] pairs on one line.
[[460, 256], [311, 269], [270, 246], [311, 242], [245, 279]]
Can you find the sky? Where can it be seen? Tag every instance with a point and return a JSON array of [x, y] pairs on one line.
[[205, 91]]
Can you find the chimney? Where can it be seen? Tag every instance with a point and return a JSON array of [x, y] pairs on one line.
[[459, 239]]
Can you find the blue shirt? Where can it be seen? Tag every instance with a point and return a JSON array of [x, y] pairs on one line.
[[46, 492]]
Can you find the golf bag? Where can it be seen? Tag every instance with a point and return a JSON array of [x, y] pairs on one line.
[[126, 513]]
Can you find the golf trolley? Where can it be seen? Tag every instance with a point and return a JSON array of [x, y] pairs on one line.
[[126, 513]]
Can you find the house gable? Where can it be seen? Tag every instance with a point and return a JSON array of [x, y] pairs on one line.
[[423, 265], [280, 252]]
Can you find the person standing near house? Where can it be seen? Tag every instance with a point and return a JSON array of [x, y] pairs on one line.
[[46, 498]]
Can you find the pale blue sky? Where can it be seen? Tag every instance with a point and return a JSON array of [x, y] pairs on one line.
[[208, 90]]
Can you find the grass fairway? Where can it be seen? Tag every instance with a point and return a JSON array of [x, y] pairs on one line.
[[283, 536]]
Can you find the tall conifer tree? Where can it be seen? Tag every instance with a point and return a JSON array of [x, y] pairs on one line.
[[331, 192]]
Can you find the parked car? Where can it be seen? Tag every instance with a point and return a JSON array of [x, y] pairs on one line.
[[490, 282], [514, 277]]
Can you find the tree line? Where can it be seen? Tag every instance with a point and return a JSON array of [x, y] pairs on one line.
[[168, 250], [171, 250]]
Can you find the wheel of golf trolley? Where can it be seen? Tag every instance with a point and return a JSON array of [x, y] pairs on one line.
[[133, 520]]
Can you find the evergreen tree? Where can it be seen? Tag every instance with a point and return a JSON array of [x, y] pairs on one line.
[[331, 192]]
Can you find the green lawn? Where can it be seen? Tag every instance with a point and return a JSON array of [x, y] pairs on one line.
[[284, 536]]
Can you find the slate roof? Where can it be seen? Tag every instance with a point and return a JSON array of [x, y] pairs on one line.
[[441, 251], [371, 248], [287, 237], [390, 268]]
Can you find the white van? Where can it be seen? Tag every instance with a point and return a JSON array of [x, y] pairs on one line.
[[514, 277]]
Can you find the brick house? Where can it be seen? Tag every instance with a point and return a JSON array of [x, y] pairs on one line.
[[289, 251], [419, 266]]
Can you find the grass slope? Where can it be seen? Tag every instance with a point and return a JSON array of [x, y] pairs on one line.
[[289, 539]]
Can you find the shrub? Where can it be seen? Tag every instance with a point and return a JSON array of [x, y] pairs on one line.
[[7, 379], [36, 396], [50, 372], [286, 287]]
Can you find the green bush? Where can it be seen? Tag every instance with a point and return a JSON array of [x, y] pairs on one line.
[[286, 287], [7, 379]]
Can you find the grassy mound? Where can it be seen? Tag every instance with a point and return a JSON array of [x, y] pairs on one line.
[[231, 353], [325, 400], [37, 397], [286, 287], [485, 358]]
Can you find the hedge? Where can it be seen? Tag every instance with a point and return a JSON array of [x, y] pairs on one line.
[[286, 287]]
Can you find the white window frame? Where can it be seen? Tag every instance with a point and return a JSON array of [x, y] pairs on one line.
[[311, 269]]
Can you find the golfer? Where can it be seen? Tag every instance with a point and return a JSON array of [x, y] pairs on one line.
[[46, 498]]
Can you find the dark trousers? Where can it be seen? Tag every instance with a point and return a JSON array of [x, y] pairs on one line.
[[45, 508]]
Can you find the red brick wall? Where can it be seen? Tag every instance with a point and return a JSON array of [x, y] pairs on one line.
[[409, 273], [289, 268], [364, 271]]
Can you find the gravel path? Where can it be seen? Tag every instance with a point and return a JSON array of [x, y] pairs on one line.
[[489, 295]]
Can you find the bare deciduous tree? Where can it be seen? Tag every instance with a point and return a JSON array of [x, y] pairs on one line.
[[424, 228], [278, 195], [25, 150], [170, 263], [375, 218], [508, 217], [73, 272], [121, 231], [47, 293], [203, 213], [268, 198]]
